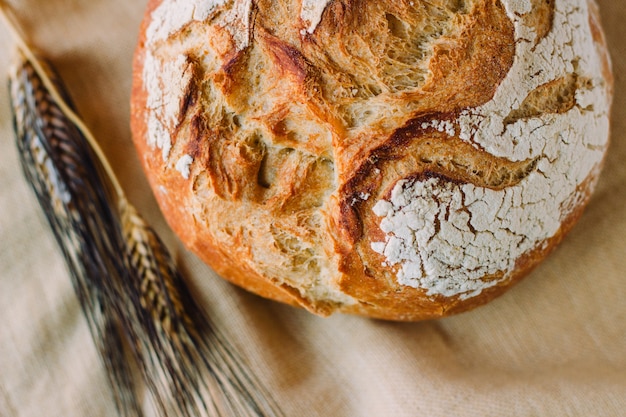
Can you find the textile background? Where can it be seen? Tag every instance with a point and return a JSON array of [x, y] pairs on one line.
[[555, 345]]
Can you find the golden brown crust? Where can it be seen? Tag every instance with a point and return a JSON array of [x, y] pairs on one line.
[[400, 303], [198, 241], [281, 139]]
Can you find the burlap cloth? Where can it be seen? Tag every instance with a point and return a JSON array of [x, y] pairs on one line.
[[555, 345]]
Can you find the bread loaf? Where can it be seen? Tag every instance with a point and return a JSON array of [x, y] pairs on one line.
[[400, 159]]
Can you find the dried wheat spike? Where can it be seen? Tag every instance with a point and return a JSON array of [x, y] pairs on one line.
[[123, 274]]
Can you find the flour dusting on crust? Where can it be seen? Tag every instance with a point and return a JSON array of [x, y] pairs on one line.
[[444, 237], [184, 165], [172, 15], [166, 82], [312, 11]]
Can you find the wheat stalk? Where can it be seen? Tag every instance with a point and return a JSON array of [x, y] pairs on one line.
[[58, 165], [189, 367]]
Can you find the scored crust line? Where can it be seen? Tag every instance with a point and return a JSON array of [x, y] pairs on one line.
[[444, 237]]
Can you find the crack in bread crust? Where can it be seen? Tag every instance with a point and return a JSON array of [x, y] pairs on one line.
[[437, 236]]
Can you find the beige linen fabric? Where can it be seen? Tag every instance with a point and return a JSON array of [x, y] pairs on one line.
[[555, 345]]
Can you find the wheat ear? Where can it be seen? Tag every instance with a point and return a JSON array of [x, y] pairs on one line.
[[189, 366]]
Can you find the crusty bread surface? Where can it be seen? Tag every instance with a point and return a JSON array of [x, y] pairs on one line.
[[404, 160]]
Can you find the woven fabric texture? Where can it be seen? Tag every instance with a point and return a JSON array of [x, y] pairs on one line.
[[555, 345]]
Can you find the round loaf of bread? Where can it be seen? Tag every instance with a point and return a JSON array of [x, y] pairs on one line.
[[400, 159]]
